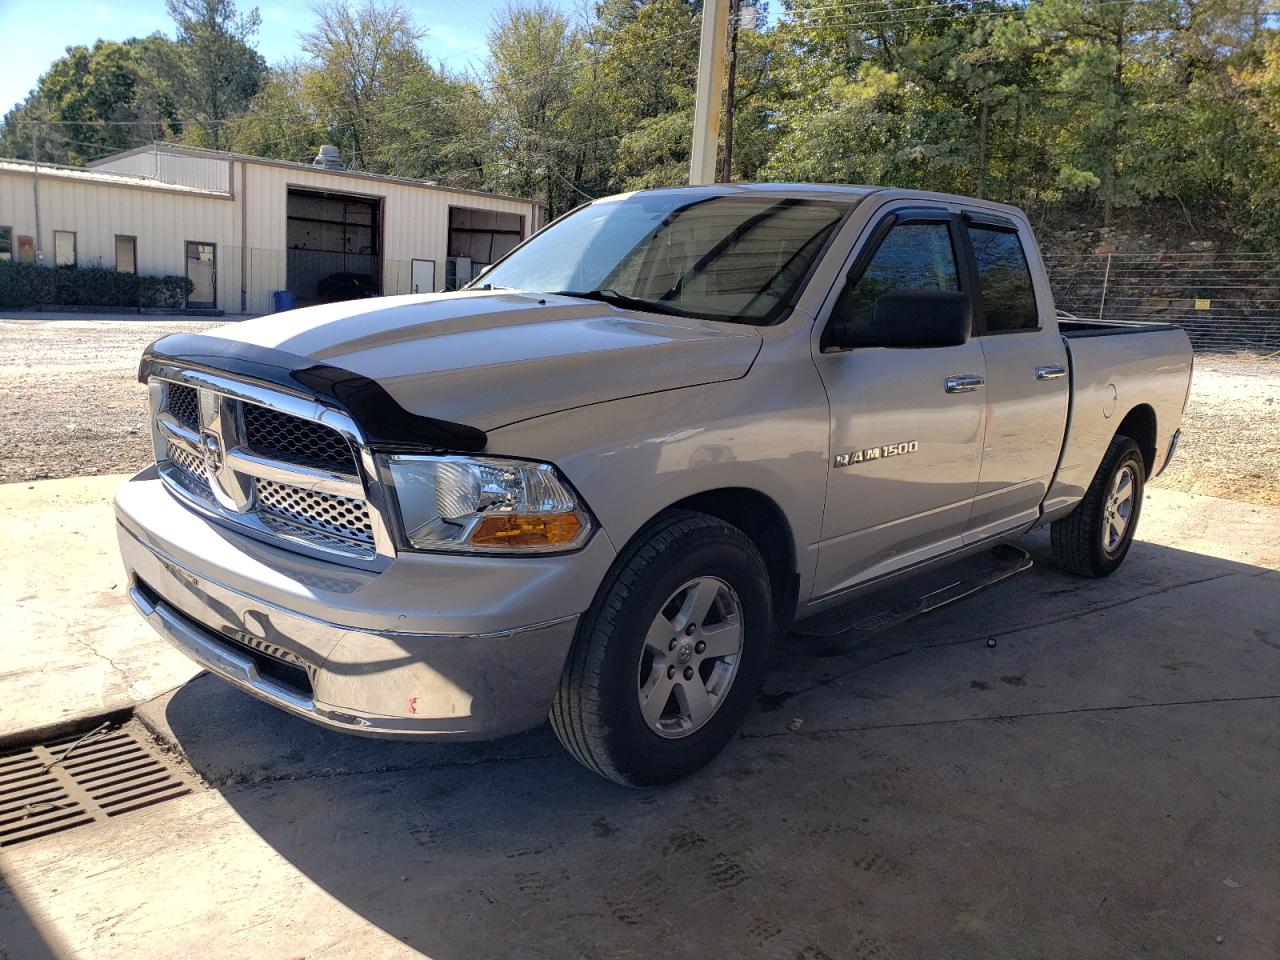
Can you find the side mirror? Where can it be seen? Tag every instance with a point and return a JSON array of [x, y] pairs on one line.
[[905, 318]]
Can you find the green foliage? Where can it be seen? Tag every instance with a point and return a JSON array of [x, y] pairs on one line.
[[112, 96], [28, 285], [107, 97]]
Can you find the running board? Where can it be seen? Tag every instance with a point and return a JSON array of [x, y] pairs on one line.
[[896, 605]]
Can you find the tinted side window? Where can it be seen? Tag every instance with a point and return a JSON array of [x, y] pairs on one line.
[[1008, 300], [912, 256]]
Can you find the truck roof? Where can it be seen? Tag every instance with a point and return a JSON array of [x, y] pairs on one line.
[[838, 191]]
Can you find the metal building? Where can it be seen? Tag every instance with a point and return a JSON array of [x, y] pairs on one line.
[[244, 227]]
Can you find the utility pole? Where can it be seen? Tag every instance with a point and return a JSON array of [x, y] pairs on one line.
[[735, 15], [706, 109], [35, 185]]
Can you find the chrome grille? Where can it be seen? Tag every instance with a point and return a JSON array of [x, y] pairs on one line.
[[275, 434], [261, 460], [184, 403], [340, 516]]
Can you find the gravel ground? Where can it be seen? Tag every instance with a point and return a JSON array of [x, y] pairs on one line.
[[1231, 431], [49, 368], [72, 403]]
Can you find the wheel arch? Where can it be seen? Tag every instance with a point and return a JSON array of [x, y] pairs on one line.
[[761, 518], [1139, 425]]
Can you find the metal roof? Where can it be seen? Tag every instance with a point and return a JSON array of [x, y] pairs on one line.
[[183, 149], [106, 178]]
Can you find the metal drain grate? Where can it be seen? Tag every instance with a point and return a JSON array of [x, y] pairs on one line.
[[77, 780]]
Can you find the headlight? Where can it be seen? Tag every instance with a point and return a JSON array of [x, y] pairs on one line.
[[484, 504]]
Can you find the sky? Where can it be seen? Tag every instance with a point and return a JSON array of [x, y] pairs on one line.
[[34, 34]]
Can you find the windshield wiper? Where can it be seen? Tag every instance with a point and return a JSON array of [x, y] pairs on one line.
[[616, 299]]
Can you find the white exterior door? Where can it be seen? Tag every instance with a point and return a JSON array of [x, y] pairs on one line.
[[423, 276]]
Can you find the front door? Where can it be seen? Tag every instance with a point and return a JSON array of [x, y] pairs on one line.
[[202, 271], [906, 424], [423, 276]]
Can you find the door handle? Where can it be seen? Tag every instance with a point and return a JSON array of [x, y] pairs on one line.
[[1051, 371], [962, 383]]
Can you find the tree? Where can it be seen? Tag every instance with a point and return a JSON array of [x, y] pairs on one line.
[[648, 65], [93, 101], [535, 54], [215, 70], [361, 56]]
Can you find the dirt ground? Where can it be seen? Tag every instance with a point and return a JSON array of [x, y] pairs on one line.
[[73, 408], [72, 403]]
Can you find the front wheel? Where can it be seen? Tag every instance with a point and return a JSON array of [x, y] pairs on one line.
[[1093, 540], [668, 658]]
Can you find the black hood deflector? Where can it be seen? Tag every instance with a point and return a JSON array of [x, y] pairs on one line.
[[383, 422]]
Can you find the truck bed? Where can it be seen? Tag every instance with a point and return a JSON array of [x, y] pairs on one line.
[[1120, 371]]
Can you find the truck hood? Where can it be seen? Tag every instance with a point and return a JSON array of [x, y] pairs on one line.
[[489, 359]]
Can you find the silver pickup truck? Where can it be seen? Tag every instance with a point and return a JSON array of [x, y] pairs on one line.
[[596, 484]]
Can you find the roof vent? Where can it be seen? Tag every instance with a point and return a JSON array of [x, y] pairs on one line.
[[329, 158]]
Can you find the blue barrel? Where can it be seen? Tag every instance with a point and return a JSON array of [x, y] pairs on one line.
[[284, 300]]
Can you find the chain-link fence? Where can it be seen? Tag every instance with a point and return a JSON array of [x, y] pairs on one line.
[[1223, 301]]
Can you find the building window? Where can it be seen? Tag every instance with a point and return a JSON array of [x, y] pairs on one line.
[[126, 254], [64, 248], [6, 243]]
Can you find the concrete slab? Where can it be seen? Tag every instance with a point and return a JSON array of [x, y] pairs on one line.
[[1100, 783], [74, 646]]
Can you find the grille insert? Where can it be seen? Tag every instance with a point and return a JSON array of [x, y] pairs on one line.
[[78, 780], [275, 434], [184, 404], [191, 471], [339, 516]]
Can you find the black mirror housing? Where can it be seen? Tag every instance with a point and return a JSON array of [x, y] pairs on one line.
[[908, 318]]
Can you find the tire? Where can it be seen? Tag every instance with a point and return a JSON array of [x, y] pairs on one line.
[[600, 711], [1085, 542]]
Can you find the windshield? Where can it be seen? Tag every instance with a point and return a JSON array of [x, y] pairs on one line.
[[739, 258]]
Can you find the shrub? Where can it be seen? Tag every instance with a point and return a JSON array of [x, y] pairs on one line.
[[27, 285]]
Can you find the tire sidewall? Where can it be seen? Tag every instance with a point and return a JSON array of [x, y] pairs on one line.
[[641, 755]]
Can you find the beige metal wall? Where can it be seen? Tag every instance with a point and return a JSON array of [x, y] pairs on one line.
[[161, 220], [415, 223]]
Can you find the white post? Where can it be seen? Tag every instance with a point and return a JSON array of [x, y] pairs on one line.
[[1102, 303], [706, 110]]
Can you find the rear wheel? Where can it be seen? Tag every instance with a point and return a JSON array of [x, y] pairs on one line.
[[1093, 540], [667, 659]]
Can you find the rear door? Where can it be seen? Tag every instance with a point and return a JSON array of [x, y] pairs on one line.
[[906, 424], [1028, 389]]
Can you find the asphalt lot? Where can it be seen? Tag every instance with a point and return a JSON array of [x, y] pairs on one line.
[[1100, 783]]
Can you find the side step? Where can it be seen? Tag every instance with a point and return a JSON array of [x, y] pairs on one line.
[[896, 605]]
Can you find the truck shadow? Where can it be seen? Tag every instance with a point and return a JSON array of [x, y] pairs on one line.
[[919, 792]]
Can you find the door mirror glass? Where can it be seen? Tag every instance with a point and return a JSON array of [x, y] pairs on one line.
[[915, 318]]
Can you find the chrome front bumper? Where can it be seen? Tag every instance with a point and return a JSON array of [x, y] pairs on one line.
[[435, 670]]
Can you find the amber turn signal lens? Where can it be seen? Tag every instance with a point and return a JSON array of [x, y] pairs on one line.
[[536, 530]]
